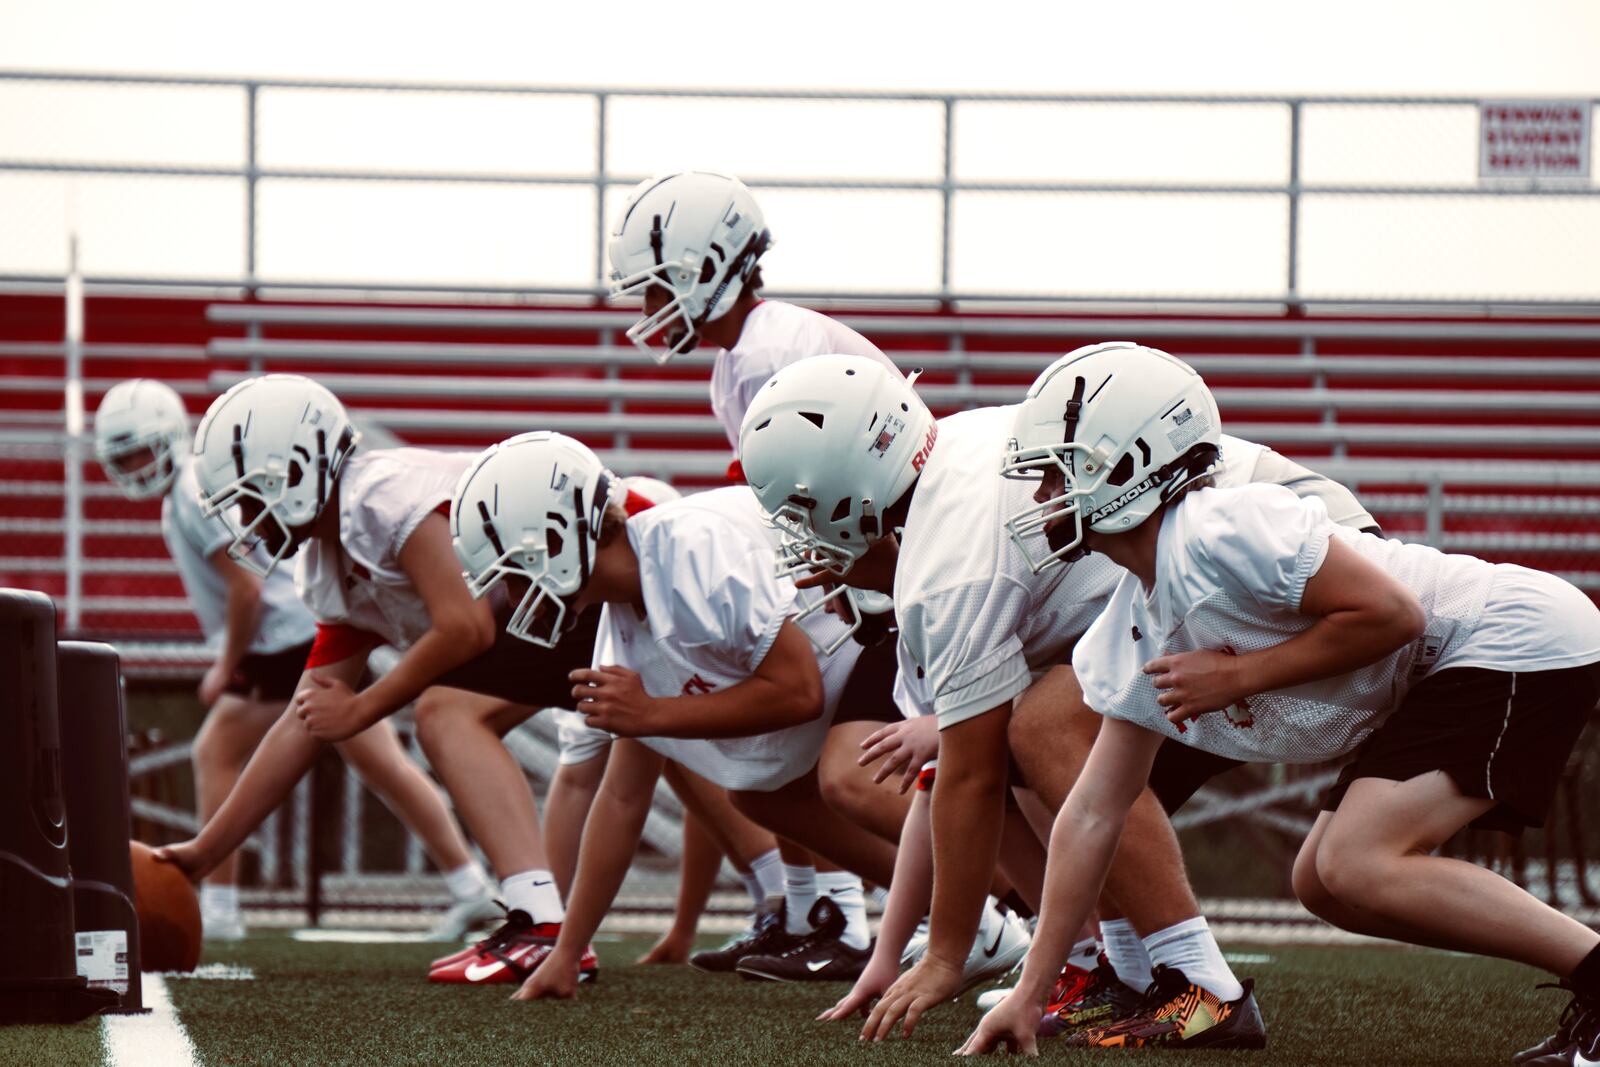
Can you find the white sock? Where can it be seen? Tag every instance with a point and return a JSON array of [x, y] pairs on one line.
[[845, 890], [799, 893], [1085, 954], [752, 885], [533, 892], [767, 869], [468, 881], [880, 897], [1189, 947], [221, 901], [1126, 952]]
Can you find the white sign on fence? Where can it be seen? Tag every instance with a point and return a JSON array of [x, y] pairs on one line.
[[1533, 139]]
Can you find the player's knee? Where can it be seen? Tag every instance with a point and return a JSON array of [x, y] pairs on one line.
[[1308, 887], [431, 711], [1348, 869], [841, 790]]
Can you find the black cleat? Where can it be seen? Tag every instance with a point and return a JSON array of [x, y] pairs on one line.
[[1576, 1042], [820, 956], [1559, 1042], [769, 937], [1176, 1013]]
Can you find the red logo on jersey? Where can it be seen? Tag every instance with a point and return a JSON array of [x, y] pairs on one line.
[[1238, 714], [921, 457], [697, 684]]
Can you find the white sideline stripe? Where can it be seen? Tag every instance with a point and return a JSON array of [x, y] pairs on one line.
[[366, 937], [214, 972], [154, 1040]]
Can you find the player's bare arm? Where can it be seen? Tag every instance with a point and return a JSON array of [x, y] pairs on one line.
[[1083, 842], [968, 811], [784, 691], [241, 617], [903, 747], [460, 629], [1363, 614], [618, 816]]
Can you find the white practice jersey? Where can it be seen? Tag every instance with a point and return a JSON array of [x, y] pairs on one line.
[[775, 335], [192, 539], [713, 608], [383, 497], [1231, 568], [578, 741], [979, 625]]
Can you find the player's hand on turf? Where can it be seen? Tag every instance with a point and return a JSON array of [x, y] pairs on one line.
[[187, 857], [328, 709], [212, 685], [930, 983], [613, 699], [1195, 683], [904, 747], [672, 947], [875, 979], [556, 978], [1012, 1026]]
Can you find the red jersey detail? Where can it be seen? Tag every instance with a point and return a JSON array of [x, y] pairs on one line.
[[736, 471], [336, 642], [634, 503]]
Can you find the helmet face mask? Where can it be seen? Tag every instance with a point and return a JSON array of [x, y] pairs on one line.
[[538, 533], [688, 244], [151, 476], [1124, 428]]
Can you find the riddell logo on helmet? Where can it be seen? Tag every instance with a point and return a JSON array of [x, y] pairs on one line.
[[927, 449]]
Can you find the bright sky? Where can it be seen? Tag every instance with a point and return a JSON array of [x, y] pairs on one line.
[[516, 235]]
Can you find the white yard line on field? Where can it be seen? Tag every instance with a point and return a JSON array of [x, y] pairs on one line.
[[154, 1040]]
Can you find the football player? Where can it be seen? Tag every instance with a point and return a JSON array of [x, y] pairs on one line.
[[260, 635], [1248, 624], [699, 659], [277, 458], [871, 490]]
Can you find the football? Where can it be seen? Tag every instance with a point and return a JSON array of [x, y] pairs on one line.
[[169, 913]]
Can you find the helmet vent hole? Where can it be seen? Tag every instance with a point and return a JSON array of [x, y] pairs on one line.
[[552, 542], [849, 373], [904, 406], [814, 417], [764, 424], [841, 510], [1122, 471], [296, 472], [708, 270], [1144, 452]]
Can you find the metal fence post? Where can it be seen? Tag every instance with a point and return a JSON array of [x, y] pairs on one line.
[[251, 174], [600, 189], [1293, 289], [72, 506], [947, 191]]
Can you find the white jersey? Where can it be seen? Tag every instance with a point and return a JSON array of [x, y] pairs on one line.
[[192, 539], [979, 625], [578, 741], [1231, 568], [383, 497], [775, 335], [713, 608]]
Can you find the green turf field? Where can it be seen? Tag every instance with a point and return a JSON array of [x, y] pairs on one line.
[[368, 1004]]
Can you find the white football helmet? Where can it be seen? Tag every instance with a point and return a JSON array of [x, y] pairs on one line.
[[267, 457], [136, 417], [531, 508], [698, 236], [1127, 426]]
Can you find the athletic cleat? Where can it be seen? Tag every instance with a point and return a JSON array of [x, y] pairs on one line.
[[1558, 1042], [995, 954], [819, 956], [464, 916], [767, 936], [990, 999], [1176, 1013], [508, 955], [1082, 999]]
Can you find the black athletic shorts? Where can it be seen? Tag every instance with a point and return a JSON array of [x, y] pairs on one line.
[[869, 691], [1179, 770], [1499, 735], [269, 675], [525, 673]]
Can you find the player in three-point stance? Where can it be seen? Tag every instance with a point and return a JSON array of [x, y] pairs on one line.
[[1248, 624]]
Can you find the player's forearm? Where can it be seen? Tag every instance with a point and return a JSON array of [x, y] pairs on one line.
[[611, 835], [968, 812], [753, 706], [281, 760], [1082, 845], [1335, 644], [912, 888]]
